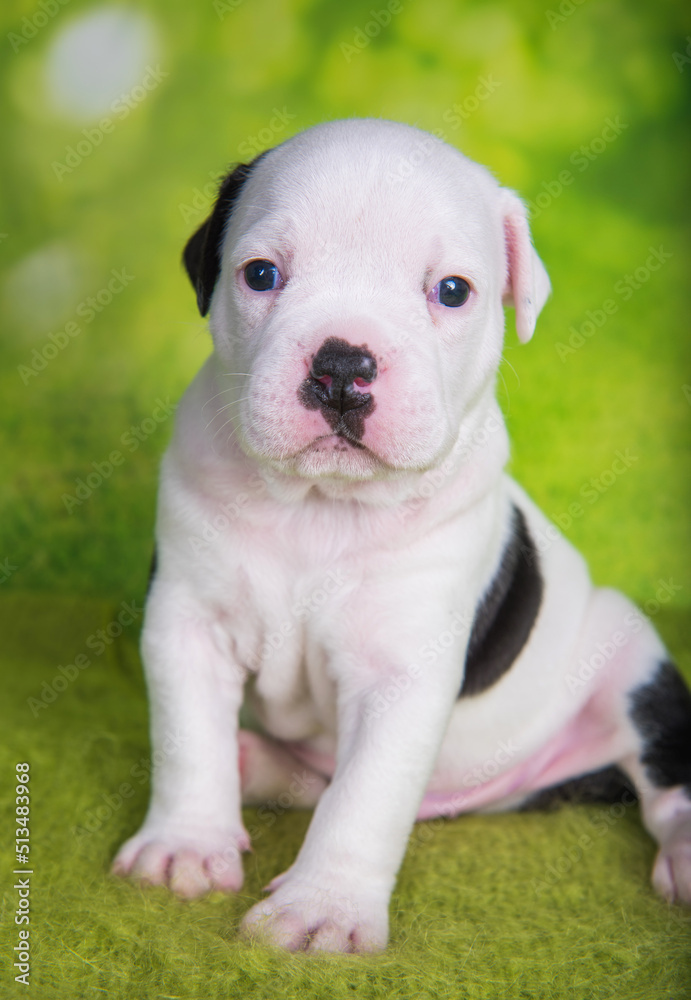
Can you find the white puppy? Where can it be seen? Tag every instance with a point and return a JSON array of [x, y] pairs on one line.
[[339, 546]]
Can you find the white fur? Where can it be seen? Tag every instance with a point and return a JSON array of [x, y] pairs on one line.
[[330, 574]]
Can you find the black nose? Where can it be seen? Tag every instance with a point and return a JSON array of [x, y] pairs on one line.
[[338, 373], [336, 385]]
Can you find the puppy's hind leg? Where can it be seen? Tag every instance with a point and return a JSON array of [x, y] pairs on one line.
[[269, 772], [641, 712], [660, 710]]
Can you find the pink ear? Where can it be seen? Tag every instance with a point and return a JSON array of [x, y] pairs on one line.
[[527, 285]]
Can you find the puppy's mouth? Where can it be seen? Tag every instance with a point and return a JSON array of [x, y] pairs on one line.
[[337, 455], [336, 442], [341, 437]]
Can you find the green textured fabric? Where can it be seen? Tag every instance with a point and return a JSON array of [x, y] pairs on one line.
[[543, 905], [583, 109]]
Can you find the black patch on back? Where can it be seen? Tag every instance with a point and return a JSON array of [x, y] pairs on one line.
[[661, 712], [610, 785], [202, 254], [506, 614]]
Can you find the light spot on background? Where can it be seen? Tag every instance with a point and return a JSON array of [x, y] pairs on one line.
[[95, 59], [43, 289]]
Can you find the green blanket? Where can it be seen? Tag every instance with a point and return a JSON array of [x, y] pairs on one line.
[[116, 122], [543, 905]]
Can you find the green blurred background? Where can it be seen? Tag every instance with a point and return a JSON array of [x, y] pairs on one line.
[[188, 89], [117, 119]]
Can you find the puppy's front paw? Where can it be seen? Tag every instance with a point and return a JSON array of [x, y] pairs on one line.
[[189, 862], [672, 870], [302, 917]]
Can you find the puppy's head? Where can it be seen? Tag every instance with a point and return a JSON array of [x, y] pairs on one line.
[[355, 278]]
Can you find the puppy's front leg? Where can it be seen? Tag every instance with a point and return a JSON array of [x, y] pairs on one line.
[[335, 896], [192, 837]]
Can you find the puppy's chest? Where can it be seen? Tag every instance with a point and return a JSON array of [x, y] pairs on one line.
[[313, 598], [282, 620]]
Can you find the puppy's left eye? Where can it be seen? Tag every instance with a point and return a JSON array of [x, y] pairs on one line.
[[452, 291], [262, 275]]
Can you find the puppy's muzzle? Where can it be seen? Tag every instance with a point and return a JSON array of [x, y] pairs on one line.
[[338, 375]]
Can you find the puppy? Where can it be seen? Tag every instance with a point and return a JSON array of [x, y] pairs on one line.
[[339, 546]]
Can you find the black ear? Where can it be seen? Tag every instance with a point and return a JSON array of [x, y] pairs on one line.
[[202, 255]]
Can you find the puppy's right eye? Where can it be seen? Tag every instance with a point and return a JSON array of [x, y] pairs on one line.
[[451, 292], [262, 275]]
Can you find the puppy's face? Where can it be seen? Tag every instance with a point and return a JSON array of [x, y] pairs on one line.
[[357, 293]]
